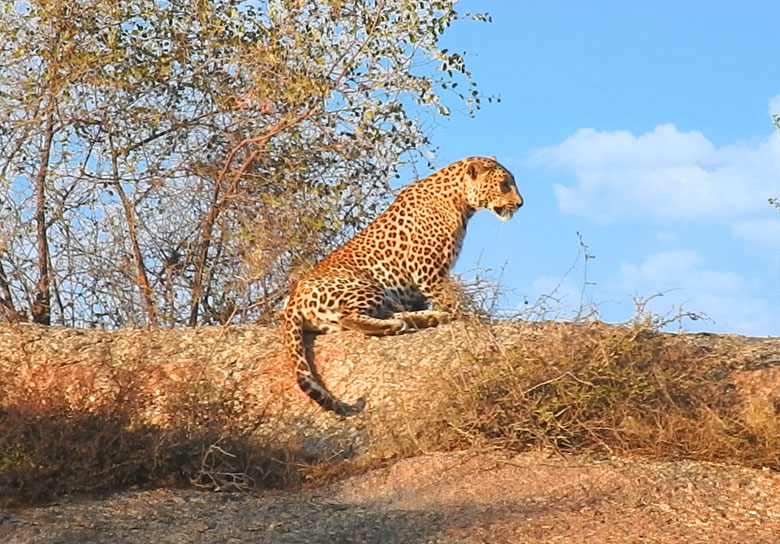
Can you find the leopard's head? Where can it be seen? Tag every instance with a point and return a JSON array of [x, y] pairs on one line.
[[491, 186]]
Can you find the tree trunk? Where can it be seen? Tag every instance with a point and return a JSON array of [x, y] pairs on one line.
[[7, 310], [146, 292], [41, 307]]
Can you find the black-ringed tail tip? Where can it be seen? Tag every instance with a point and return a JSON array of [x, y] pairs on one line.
[[348, 410]]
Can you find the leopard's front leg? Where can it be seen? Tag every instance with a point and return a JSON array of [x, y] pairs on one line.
[[443, 293]]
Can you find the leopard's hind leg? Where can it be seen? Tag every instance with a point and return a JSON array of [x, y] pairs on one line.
[[373, 326], [423, 319]]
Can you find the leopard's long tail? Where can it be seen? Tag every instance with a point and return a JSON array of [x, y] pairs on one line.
[[306, 373]]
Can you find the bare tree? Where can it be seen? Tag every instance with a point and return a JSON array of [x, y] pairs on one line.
[[181, 160]]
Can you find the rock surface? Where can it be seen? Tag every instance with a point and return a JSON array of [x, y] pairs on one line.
[[479, 496], [487, 497]]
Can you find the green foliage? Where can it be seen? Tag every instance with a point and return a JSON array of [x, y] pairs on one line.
[[212, 147]]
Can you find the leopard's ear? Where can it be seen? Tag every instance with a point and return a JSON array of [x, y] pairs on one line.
[[493, 158], [474, 169]]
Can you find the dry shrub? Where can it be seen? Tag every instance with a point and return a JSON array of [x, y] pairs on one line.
[[617, 390], [66, 430], [760, 416]]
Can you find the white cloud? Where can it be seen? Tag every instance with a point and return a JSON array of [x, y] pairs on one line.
[[761, 233], [774, 105], [733, 303], [669, 282], [590, 150], [667, 180], [666, 237], [681, 269], [665, 174]]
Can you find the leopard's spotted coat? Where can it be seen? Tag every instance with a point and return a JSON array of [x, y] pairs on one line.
[[383, 280]]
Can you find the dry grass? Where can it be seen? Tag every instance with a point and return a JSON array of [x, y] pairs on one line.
[[615, 390], [64, 432], [75, 428]]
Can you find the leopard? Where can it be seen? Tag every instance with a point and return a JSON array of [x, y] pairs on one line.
[[392, 277]]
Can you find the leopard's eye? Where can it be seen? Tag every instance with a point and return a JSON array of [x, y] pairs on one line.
[[505, 186]]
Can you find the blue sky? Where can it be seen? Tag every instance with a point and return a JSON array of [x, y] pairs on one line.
[[645, 127]]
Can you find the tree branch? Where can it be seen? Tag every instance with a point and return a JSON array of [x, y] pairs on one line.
[[146, 292], [218, 201]]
